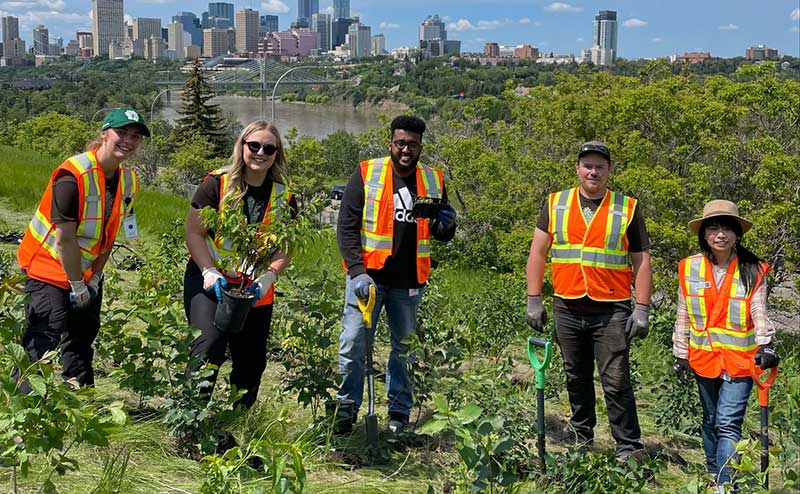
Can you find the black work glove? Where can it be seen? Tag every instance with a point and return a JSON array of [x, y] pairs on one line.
[[536, 315], [682, 370], [638, 322], [766, 357]]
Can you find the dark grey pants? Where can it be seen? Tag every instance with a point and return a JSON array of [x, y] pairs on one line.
[[585, 340]]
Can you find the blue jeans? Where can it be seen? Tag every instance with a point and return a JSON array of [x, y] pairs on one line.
[[401, 311], [724, 403]]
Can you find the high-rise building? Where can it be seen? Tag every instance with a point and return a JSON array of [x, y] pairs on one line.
[[85, 44], [339, 28], [221, 10], [153, 47], [215, 42], [108, 24], [307, 8], [268, 24], [247, 31], [13, 46], [359, 38], [321, 23], [526, 52], [341, 9], [145, 28], [378, 45], [760, 52], [175, 42], [491, 49], [604, 38], [432, 28], [41, 40], [191, 25]]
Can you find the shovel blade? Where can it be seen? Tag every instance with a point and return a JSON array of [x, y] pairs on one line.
[[371, 421]]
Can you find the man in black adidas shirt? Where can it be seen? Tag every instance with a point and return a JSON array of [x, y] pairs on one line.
[[383, 244]]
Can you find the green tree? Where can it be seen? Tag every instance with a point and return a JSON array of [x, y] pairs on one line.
[[53, 134], [199, 117]]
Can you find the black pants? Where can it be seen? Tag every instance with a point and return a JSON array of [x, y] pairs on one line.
[[601, 338], [248, 347], [54, 323]]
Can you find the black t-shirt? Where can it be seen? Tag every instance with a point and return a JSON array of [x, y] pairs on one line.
[[400, 269], [66, 202], [638, 241]]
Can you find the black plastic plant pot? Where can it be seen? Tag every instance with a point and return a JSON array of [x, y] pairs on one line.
[[232, 310]]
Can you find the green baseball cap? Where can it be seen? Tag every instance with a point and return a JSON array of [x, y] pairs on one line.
[[120, 117]]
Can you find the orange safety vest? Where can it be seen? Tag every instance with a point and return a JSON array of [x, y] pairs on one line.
[[722, 335], [590, 260], [220, 247], [377, 219], [37, 254]]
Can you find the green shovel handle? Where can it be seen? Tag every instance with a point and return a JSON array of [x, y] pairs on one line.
[[539, 366]]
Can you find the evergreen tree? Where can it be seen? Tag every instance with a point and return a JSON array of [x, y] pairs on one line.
[[199, 117]]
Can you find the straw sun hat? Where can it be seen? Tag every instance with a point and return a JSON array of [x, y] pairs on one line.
[[720, 207]]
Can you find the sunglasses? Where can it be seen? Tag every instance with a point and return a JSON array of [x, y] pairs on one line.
[[587, 148], [254, 147]]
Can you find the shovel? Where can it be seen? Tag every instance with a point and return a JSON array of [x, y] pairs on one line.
[[540, 366], [370, 420], [763, 400]]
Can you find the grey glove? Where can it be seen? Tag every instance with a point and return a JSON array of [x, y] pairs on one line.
[[536, 315], [361, 285], [638, 323], [682, 370]]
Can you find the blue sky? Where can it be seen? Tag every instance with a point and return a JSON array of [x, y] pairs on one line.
[[647, 28]]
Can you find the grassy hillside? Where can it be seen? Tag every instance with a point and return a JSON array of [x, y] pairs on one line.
[[472, 352]]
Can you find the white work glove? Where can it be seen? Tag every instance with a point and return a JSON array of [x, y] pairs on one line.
[[213, 280], [638, 323], [81, 295], [95, 280], [261, 285]]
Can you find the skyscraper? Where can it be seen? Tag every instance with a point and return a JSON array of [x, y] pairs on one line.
[[145, 28], [321, 23], [307, 8], [432, 28], [604, 38], [378, 45], [359, 37], [191, 24], [268, 24], [41, 40], [339, 28], [341, 9], [221, 10], [175, 40], [108, 24], [247, 31], [433, 40], [13, 46]]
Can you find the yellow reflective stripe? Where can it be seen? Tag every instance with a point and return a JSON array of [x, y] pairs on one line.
[[130, 188], [430, 179], [611, 259], [423, 248], [695, 304], [565, 253], [40, 227], [373, 192], [90, 228], [560, 215], [618, 209], [373, 242]]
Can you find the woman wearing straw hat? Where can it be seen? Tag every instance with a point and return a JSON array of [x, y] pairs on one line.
[[722, 329]]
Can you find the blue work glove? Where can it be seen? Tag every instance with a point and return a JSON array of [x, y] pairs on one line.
[[638, 323], [766, 357], [81, 295], [260, 286], [213, 280], [447, 217], [361, 285]]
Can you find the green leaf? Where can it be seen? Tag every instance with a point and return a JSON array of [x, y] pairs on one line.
[[432, 426], [37, 384], [469, 413]]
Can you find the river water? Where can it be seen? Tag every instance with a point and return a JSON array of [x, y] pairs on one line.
[[314, 120]]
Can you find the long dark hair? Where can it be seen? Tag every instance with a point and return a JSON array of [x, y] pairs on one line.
[[749, 264]]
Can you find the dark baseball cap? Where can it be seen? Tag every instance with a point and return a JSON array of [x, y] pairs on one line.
[[120, 117], [595, 147]]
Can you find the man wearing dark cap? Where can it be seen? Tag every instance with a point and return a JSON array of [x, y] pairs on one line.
[[598, 246]]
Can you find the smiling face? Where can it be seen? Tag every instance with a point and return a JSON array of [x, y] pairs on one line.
[[405, 148], [721, 238], [122, 142], [593, 170], [258, 163]]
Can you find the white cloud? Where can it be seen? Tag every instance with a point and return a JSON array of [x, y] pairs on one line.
[[274, 7], [446, 18], [537, 23], [525, 20], [634, 22], [579, 40], [465, 25], [562, 7], [48, 5], [658, 40], [484, 25], [795, 15], [728, 27], [388, 25]]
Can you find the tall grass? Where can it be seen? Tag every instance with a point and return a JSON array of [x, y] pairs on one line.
[[26, 173]]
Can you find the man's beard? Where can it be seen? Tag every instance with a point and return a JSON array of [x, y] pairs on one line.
[[402, 167]]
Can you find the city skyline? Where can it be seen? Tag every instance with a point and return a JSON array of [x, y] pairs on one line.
[[724, 28]]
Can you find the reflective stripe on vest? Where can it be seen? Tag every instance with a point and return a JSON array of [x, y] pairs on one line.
[[377, 219], [596, 252], [722, 333]]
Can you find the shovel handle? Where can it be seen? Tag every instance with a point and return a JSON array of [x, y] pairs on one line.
[[763, 385], [367, 306], [539, 365]]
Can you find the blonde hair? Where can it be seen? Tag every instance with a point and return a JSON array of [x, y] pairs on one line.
[[96, 142], [278, 172]]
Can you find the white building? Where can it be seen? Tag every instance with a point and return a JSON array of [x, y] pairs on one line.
[[175, 40], [378, 45], [604, 38]]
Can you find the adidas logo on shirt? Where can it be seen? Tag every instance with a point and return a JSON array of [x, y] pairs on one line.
[[404, 206]]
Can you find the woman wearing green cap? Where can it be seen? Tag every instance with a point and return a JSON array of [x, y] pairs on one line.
[[68, 242], [722, 333]]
